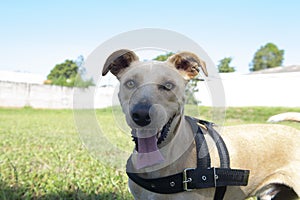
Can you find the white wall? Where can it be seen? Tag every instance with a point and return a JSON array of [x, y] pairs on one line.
[[278, 89], [48, 96]]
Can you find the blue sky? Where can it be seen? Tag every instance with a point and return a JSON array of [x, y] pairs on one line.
[[36, 35]]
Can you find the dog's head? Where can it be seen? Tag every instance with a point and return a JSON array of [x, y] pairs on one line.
[[152, 92]]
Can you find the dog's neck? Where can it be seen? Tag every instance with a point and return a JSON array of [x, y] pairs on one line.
[[173, 130], [176, 149]]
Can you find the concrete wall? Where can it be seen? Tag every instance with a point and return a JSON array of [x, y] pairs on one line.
[[48, 96], [278, 89]]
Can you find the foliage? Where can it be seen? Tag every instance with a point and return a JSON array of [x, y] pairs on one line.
[[224, 65], [268, 56], [191, 88], [42, 157], [69, 73], [163, 57], [79, 82]]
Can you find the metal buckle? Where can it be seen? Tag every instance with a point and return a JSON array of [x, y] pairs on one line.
[[186, 179], [216, 177]]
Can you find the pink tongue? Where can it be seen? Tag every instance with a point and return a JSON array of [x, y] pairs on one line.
[[148, 153]]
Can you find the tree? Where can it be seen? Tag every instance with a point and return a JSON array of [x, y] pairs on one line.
[[191, 87], [163, 57], [267, 56], [69, 74], [224, 65]]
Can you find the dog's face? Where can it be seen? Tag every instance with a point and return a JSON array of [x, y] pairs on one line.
[[152, 93]]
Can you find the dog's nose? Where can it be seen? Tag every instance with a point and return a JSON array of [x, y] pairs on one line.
[[140, 114]]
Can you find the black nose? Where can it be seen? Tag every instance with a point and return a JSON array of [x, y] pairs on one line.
[[140, 114]]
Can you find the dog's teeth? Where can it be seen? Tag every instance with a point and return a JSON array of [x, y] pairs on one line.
[[158, 134]]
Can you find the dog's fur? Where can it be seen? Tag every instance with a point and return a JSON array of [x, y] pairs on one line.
[[288, 116], [270, 152]]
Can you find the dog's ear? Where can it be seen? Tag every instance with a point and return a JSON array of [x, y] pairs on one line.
[[188, 64], [118, 61]]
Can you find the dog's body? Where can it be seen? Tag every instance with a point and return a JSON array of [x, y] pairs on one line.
[[152, 95], [288, 116]]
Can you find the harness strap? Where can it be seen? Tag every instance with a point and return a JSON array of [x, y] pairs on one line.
[[223, 155], [220, 193], [203, 158], [203, 176], [204, 162], [193, 179], [221, 146]]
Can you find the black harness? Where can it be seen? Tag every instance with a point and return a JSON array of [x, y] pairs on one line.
[[204, 176]]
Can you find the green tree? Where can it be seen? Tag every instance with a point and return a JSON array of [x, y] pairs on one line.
[[163, 57], [191, 87], [69, 74], [224, 65], [267, 56]]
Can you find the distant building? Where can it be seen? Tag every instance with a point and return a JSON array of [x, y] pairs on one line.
[[21, 77]]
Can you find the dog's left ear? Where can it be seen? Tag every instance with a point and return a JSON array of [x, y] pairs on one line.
[[188, 64], [118, 61]]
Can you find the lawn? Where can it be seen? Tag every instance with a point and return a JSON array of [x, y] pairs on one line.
[[42, 155]]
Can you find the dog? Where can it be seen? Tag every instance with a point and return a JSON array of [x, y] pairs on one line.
[[288, 116], [152, 98]]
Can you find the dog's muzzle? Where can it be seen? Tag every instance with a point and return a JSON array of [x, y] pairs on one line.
[[150, 131]]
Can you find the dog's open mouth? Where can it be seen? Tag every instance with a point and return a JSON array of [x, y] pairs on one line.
[[147, 148], [160, 136]]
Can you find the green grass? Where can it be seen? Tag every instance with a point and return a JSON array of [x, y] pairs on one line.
[[42, 156], [248, 115], [243, 115]]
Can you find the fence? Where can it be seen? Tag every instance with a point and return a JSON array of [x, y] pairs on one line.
[[48, 96], [278, 89]]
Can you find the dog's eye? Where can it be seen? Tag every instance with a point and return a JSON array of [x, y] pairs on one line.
[[130, 84], [167, 86]]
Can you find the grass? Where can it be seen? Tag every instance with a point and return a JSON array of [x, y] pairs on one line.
[[42, 156]]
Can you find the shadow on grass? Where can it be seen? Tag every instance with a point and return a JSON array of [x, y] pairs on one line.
[[19, 193]]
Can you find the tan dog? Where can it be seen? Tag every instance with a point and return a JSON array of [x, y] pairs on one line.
[[152, 96]]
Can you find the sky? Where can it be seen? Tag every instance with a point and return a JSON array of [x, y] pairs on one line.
[[37, 35]]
